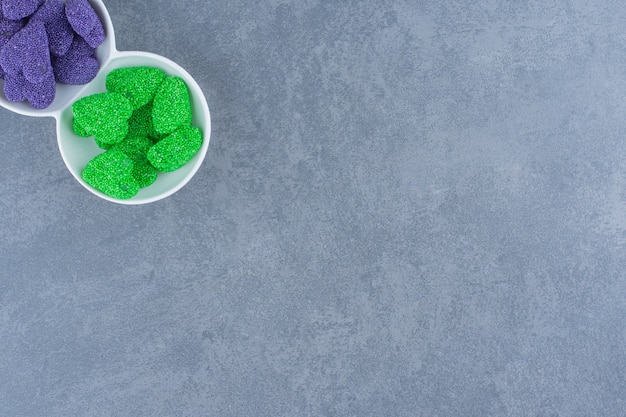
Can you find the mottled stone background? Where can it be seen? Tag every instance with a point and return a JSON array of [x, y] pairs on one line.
[[408, 208]]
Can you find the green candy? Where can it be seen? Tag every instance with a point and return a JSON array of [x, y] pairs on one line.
[[103, 145], [144, 173], [175, 150], [144, 125], [136, 148], [138, 84], [79, 130], [111, 173], [103, 116], [140, 124], [172, 106]]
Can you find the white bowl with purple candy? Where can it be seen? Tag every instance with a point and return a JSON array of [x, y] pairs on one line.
[[53, 53]]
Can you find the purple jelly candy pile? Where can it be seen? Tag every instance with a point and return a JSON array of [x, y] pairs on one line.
[[44, 42]]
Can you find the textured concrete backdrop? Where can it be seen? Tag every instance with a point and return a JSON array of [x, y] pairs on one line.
[[408, 208]]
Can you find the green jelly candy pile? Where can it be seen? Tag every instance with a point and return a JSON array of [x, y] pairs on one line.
[[112, 174], [144, 125], [176, 149], [138, 84], [104, 116], [172, 107]]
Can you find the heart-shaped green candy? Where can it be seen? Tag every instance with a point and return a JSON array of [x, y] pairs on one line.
[[175, 150], [138, 84], [172, 106], [103, 116], [111, 173], [136, 148]]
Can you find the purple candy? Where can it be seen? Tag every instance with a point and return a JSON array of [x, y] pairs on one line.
[[8, 28], [14, 87], [96, 36], [84, 21], [60, 33], [78, 66], [18, 9], [39, 95], [40, 46], [28, 52]]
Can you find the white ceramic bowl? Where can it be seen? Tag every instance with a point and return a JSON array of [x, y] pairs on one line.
[[77, 151]]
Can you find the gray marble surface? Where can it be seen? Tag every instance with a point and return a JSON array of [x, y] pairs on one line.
[[408, 208]]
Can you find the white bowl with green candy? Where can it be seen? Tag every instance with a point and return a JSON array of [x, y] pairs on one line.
[[78, 151]]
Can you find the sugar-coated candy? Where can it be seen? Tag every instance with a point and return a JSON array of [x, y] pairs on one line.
[[172, 106], [136, 148], [138, 84], [79, 130], [40, 95], [104, 116], [140, 124], [78, 66], [14, 87], [111, 173], [18, 9], [27, 51], [144, 173], [85, 21], [104, 145], [175, 150], [96, 36], [60, 33], [8, 28]]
